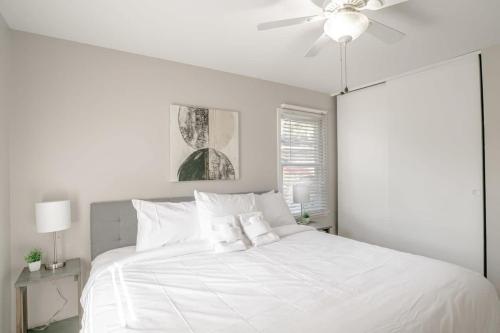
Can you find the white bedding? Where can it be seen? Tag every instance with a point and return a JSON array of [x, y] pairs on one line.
[[307, 282]]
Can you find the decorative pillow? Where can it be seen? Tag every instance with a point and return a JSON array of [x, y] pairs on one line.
[[210, 205], [165, 223], [226, 234], [274, 208], [257, 229]]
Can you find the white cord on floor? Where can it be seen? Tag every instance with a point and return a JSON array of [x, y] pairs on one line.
[[51, 320]]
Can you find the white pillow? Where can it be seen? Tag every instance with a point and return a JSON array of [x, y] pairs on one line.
[[257, 229], [226, 234], [274, 208], [165, 223], [210, 205]]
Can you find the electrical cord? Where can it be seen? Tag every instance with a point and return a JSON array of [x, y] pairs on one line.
[[51, 319]]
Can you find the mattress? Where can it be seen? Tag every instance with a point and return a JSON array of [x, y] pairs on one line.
[[308, 281]]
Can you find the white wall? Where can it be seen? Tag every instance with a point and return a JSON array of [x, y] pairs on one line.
[[5, 285], [92, 124], [491, 88], [410, 164]]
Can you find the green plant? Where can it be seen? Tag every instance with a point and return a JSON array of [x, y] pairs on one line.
[[33, 256], [306, 215]]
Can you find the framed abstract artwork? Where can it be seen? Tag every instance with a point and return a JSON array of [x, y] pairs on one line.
[[204, 144]]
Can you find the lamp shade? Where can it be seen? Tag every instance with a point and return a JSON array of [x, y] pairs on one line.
[[53, 216], [301, 193]]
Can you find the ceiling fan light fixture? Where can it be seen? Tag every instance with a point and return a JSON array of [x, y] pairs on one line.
[[346, 25], [374, 4]]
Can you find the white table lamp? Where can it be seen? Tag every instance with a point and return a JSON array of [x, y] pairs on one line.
[[301, 195], [53, 217]]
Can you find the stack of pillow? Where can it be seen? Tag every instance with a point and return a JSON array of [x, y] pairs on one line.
[[232, 222]]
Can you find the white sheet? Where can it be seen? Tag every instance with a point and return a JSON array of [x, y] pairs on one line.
[[307, 282]]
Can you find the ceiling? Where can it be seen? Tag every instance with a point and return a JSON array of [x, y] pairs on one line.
[[222, 35]]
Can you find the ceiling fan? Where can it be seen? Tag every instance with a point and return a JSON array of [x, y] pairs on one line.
[[344, 23]]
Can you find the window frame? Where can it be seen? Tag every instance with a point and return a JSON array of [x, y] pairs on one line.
[[323, 166]]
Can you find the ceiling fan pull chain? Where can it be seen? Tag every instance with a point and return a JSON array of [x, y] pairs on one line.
[[346, 90], [343, 68]]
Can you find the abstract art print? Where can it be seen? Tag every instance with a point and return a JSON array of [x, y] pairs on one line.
[[204, 144]]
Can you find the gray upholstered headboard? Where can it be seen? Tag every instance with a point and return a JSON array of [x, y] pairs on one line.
[[113, 224]]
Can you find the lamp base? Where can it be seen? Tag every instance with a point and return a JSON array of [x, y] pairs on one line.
[[55, 265]]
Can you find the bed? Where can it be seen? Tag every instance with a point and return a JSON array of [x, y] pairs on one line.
[[308, 281]]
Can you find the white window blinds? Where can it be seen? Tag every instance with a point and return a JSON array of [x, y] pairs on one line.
[[302, 158]]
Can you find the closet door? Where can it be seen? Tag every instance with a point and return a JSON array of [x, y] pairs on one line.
[[410, 164], [362, 134]]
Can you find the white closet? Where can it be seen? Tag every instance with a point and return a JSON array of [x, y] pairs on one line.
[[410, 163]]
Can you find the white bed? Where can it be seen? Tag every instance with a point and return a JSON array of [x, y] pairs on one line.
[[307, 282]]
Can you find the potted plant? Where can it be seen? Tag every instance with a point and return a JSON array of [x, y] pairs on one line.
[[34, 260], [306, 218]]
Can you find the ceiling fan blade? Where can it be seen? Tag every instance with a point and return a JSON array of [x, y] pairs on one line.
[[385, 33], [319, 44], [320, 3], [288, 22], [381, 4]]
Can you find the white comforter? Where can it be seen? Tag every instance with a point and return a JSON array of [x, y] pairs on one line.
[[307, 282]]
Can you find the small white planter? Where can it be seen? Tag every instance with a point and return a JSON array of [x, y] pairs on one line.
[[34, 266]]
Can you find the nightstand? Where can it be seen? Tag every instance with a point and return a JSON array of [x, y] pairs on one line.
[[321, 226], [27, 278]]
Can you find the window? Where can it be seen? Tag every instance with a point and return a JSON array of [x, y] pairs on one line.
[[302, 157]]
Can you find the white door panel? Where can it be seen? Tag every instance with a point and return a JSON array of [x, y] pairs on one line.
[[410, 164]]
